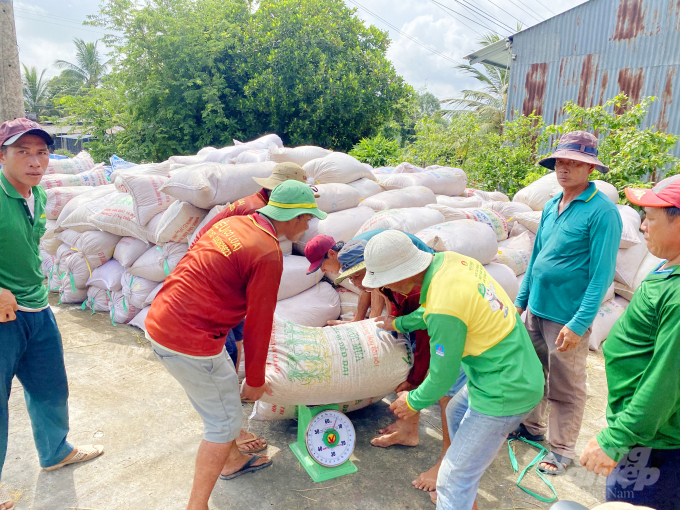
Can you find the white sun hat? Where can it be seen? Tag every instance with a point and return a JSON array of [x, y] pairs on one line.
[[391, 257]]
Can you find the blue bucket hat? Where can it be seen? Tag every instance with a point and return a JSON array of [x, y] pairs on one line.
[[352, 259]]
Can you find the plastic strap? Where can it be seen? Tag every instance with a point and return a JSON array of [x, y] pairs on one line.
[[166, 268], [542, 453], [112, 308], [84, 305], [73, 283], [60, 294], [86, 262], [92, 306]]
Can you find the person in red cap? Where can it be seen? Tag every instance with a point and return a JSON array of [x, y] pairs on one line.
[[640, 448], [30, 342], [322, 253], [571, 268]]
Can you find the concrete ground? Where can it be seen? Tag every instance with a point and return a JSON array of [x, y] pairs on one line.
[[124, 399]]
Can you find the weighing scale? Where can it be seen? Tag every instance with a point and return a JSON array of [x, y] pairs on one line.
[[325, 442]]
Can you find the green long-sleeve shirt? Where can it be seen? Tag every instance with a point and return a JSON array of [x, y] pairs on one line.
[[573, 261], [642, 361], [470, 319]]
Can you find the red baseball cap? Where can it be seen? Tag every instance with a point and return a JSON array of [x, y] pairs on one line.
[[316, 250], [12, 130], [664, 194]]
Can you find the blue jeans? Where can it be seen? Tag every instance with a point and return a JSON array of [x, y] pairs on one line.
[[475, 441], [30, 348], [647, 477], [234, 335]]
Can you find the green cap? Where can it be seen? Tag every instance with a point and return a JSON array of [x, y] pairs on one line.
[[289, 200]]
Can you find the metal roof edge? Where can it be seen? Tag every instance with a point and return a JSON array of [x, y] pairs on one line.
[[496, 54]]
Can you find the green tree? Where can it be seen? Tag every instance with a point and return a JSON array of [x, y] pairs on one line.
[[36, 92], [88, 69], [377, 151], [65, 84], [190, 73]]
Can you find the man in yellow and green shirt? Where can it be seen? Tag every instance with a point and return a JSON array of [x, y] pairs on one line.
[[470, 320]]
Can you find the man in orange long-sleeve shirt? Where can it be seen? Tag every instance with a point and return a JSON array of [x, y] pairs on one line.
[[232, 272]]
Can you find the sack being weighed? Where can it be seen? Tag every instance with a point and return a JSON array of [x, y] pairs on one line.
[[270, 412], [317, 366]]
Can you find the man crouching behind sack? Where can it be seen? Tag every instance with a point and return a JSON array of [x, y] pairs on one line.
[[232, 272]]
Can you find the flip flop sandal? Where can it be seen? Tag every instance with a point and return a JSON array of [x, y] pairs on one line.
[[433, 497], [522, 431], [247, 468], [85, 453], [250, 440], [5, 497], [556, 460]]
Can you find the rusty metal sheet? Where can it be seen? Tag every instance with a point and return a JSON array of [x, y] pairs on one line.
[[534, 86]]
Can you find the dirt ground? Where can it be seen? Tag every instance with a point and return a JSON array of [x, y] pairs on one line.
[[121, 397]]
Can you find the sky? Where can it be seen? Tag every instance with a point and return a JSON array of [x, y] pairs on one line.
[[429, 37]]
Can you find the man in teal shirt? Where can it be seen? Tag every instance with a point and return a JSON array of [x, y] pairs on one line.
[[571, 268], [642, 362], [30, 343]]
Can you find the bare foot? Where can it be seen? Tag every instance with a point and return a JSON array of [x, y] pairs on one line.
[[248, 442], [550, 467], [401, 432], [231, 467], [6, 501], [427, 481]]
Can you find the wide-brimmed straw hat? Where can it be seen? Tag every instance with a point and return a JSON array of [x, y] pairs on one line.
[[289, 200], [281, 173], [392, 257], [577, 146]]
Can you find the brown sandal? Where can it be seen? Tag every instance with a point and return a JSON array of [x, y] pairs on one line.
[[251, 440]]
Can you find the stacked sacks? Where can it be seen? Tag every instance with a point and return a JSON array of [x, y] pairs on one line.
[[82, 162], [443, 181], [94, 177], [341, 226], [415, 196]]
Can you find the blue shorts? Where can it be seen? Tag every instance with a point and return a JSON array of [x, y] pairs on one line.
[[235, 335], [458, 385]]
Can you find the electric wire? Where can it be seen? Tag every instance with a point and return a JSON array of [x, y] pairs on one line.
[[508, 13], [523, 9], [459, 21], [58, 24], [480, 12], [470, 19]]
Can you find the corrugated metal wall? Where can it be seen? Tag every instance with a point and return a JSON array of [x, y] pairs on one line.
[[592, 52]]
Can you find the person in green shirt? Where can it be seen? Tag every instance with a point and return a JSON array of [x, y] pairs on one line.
[[470, 320], [30, 342], [640, 447]]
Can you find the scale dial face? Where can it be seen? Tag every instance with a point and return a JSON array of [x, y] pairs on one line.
[[330, 438]]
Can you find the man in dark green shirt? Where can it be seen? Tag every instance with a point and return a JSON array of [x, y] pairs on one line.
[[30, 342], [641, 445]]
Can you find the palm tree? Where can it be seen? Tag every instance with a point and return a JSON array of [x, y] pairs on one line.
[[489, 102], [88, 69], [36, 92]]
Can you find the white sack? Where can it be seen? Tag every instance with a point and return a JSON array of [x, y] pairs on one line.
[[298, 155], [136, 289], [505, 277], [139, 319], [608, 189], [649, 264], [491, 196], [466, 237], [515, 253], [94, 177], [509, 210], [57, 198], [147, 169], [97, 299], [176, 224], [341, 226], [316, 366], [409, 220], [286, 246], [349, 301], [78, 270], [55, 277], [47, 263], [335, 196], [294, 278], [82, 162], [50, 246], [606, 317], [631, 226], [88, 195], [97, 246], [211, 214], [408, 168], [209, 184], [414, 196], [270, 412], [71, 294], [443, 181], [120, 309], [251, 156], [336, 167], [63, 253], [313, 307], [628, 261], [458, 202], [187, 160], [129, 249], [158, 261], [118, 217], [107, 277], [69, 237], [610, 293], [147, 199], [264, 142], [530, 220], [536, 194], [480, 214], [149, 299], [366, 187]]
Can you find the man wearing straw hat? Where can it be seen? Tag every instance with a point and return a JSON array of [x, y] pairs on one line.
[[570, 270], [232, 272], [470, 320]]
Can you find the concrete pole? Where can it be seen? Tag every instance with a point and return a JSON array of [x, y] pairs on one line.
[[11, 89]]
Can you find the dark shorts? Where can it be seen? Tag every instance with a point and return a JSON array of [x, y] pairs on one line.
[[647, 477], [235, 335]]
